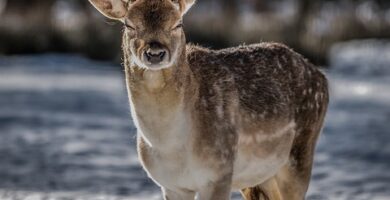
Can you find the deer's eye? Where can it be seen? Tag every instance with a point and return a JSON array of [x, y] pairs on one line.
[[178, 26], [130, 27]]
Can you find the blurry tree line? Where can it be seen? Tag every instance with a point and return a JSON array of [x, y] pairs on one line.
[[309, 26]]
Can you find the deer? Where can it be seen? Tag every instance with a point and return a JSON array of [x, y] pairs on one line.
[[210, 122]]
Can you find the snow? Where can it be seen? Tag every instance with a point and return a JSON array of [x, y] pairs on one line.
[[66, 130], [361, 58]]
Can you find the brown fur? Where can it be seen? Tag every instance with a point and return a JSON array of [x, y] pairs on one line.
[[209, 109]]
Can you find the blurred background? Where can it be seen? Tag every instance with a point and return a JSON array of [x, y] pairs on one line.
[[65, 127], [309, 26]]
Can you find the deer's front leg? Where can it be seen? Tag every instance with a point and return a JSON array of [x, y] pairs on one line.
[[216, 142], [178, 195], [219, 190]]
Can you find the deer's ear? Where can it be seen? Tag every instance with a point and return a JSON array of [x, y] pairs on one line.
[[114, 9], [185, 5]]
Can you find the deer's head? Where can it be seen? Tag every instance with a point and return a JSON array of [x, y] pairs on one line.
[[153, 28]]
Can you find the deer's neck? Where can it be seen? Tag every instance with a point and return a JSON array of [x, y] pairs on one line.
[[146, 83], [158, 101]]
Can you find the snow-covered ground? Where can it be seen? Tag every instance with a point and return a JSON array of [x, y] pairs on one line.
[[66, 131]]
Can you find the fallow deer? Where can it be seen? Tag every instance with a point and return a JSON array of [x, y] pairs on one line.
[[211, 122]]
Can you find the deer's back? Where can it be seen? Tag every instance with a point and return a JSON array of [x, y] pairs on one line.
[[267, 78]]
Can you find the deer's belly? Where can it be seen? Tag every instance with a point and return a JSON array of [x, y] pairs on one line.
[[256, 171], [260, 158]]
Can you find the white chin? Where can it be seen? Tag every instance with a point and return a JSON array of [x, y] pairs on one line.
[[158, 67]]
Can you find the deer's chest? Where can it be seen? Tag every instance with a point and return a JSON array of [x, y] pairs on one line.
[[164, 148], [175, 171], [169, 159]]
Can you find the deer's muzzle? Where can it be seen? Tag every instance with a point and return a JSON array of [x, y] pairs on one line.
[[156, 54]]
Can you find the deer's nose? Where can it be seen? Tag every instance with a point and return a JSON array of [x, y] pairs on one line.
[[156, 53]]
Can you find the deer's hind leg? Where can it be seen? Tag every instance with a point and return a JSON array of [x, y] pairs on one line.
[[268, 190], [293, 179]]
